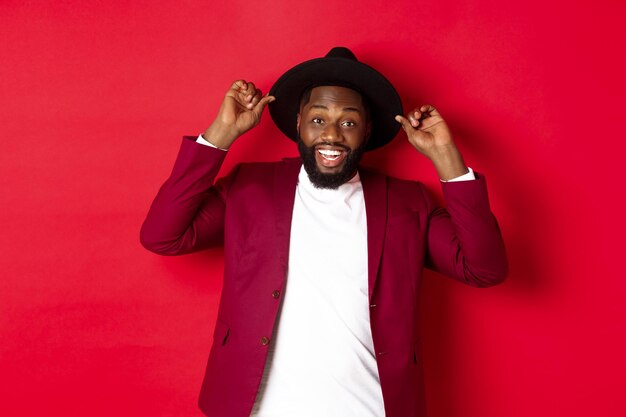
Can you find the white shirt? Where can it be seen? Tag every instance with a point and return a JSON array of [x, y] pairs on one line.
[[323, 362]]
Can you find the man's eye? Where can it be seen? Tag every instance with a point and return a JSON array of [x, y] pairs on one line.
[[349, 124], [317, 120]]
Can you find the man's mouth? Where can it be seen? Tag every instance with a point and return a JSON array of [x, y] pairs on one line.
[[329, 164], [330, 157]]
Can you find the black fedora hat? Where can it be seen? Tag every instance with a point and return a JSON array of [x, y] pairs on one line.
[[339, 67]]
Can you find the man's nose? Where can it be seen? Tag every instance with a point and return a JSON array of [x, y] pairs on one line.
[[331, 133]]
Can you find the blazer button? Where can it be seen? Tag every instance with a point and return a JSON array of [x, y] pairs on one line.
[[275, 293], [265, 341]]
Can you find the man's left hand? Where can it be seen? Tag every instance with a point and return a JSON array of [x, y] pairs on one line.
[[429, 134]]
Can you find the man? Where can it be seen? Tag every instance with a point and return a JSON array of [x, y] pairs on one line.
[[323, 260]]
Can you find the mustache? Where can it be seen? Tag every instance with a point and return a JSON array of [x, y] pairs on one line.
[[325, 143], [333, 144]]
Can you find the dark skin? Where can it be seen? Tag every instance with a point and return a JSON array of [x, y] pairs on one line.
[[336, 116], [332, 120]]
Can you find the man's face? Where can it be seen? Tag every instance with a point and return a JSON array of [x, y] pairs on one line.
[[333, 127]]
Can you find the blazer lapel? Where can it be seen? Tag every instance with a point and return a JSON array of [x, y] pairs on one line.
[[285, 182], [375, 195]]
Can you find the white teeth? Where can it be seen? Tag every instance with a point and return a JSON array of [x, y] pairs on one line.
[[328, 152]]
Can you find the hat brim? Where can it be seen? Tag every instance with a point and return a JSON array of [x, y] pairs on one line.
[[382, 97]]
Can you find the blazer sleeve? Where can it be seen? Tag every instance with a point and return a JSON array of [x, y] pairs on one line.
[[187, 213], [464, 241]]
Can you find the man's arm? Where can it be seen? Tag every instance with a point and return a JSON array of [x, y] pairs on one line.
[[464, 241], [188, 212]]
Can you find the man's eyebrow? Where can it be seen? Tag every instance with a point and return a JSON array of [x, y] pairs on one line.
[[319, 106]]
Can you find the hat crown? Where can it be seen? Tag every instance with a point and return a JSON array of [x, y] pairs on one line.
[[341, 52]]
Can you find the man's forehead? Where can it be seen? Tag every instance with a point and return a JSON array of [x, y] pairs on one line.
[[348, 107]]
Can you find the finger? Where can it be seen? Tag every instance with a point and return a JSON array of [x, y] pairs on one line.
[[239, 85], [429, 110], [414, 118], [255, 99], [237, 91], [250, 91]]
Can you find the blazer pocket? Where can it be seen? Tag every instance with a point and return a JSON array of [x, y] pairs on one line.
[[221, 332]]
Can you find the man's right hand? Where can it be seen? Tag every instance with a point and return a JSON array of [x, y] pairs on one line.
[[240, 111]]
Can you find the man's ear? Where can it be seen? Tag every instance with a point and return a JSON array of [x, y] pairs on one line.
[[298, 123]]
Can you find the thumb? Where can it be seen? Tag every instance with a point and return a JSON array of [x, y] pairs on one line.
[[406, 125], [258, 109]]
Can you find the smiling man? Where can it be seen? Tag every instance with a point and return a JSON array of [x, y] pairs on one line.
[[323, 259], [333, 126]]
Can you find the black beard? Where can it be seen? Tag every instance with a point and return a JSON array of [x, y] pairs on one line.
[[329, 181]]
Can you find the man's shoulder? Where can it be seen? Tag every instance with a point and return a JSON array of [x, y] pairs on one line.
[[402, 195], [269, 166], [265, 174]]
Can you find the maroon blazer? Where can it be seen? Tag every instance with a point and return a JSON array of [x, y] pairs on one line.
[[249, 212]]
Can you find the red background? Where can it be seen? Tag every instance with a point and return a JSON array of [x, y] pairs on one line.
[[94, 97]]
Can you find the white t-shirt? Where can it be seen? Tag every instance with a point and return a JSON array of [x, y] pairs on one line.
[[321, 360]]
